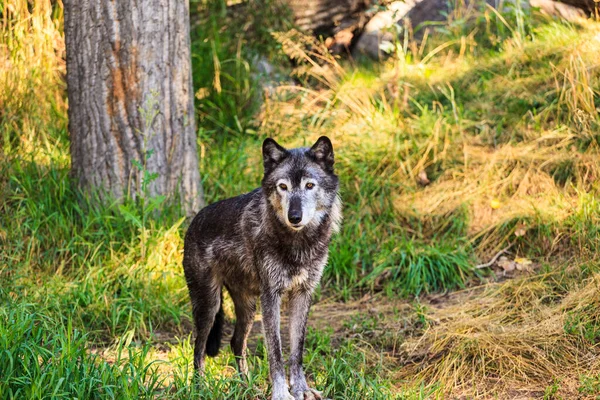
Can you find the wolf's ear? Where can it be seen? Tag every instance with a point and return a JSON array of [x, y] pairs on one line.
[[273, 154], [322, 151]]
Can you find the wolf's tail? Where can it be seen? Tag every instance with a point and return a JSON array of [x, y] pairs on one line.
[[213, 343]]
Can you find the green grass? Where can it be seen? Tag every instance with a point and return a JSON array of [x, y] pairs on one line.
[[44, 358], [226, 49], [414, 267], [590, 385], [502, 120]]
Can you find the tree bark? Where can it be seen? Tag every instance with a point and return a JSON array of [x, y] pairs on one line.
[[131, 110]]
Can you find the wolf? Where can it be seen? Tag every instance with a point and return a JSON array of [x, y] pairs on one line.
[[266, 244]]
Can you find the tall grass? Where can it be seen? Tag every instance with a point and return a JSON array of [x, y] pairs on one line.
[[42, 358], [32, 68], [231, 48]]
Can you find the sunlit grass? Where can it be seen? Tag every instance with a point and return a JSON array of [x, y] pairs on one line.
[[32, 68]]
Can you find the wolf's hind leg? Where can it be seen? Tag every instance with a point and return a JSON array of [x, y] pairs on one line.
[[245, 309], [206, 303]]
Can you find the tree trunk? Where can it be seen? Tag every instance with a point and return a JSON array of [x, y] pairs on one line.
[[131, 110]]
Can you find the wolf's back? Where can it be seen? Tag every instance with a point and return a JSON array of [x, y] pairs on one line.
[[219, 220]]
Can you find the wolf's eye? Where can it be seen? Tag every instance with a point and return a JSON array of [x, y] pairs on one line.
[[310, 185], [283, 186]]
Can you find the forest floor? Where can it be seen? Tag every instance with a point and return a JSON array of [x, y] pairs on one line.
[[484, 137]]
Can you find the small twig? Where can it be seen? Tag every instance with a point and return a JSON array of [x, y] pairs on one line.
[[495, 258]]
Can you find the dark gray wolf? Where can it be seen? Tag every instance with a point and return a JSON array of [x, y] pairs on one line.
[[267, 243]]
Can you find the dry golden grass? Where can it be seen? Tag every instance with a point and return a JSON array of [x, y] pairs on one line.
[[32, 70], [510, 338]]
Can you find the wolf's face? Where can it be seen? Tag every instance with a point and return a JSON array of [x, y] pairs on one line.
[[300, 183]]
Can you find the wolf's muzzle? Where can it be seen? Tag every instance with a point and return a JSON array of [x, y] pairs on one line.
[[295, 211]]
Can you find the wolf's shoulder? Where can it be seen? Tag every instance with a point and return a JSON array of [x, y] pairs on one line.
[[222, 216]]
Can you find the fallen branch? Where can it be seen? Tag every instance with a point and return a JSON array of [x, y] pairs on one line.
[[495, 258]]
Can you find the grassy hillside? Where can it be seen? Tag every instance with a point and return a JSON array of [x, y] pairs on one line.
[[483, 137]]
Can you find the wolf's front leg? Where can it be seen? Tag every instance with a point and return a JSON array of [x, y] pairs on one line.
[[299, 307], [270, 304]]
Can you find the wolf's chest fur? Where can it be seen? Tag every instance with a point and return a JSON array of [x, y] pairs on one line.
[[290, 266], [287, 259]]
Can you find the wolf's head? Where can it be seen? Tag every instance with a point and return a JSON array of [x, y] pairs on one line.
[[300, 183]]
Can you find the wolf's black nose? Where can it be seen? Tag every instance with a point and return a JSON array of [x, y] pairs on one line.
[[295, 216]]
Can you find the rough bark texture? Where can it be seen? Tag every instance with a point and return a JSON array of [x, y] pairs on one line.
[[131, 98]]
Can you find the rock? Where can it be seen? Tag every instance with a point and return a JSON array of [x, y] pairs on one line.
[[267, 76], [506, 264], [430, 11], [379, 32], [380, 29]]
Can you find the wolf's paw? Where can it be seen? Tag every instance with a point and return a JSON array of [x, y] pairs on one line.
[[285, 396], [309, 394], [282, 395]]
